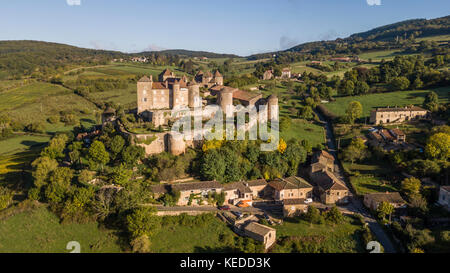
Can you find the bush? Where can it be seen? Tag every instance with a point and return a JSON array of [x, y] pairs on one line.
[[53, 119], [35, 127]]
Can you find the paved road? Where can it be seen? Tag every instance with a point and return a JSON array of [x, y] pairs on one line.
[[356, 205]]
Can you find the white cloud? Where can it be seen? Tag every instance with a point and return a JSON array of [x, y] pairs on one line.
[[73, 2], [373, 2]]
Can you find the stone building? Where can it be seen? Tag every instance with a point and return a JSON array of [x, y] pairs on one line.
[[289, 188], [207, 79], [286, 73], [397, 114], [329, 188], [196, 190], [321, 161], [294, 207], [268, 75], [444, 197], [261, 233], [373, 200]]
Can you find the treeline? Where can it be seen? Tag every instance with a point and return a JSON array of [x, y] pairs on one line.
[[41, 59]]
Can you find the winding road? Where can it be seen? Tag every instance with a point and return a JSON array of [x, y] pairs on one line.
[[356, 204]]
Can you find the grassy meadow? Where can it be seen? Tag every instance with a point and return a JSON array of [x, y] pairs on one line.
[[39, 230], [195, 239], [398, 98], [340, 238]]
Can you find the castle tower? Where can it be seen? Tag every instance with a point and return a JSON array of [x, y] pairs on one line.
[[225, 98], [194, 99], [176, 94], [218, 78], [176, 145], [272, 101], [144, 94], [166, 74]]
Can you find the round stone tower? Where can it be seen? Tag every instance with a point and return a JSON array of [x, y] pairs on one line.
[[176, 145], [272, 101], [176, 94], [194, 99], [225, 98]]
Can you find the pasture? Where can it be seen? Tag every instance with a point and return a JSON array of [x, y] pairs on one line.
[[397, 98]]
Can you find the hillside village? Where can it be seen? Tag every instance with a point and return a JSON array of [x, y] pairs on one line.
[[363, 153]]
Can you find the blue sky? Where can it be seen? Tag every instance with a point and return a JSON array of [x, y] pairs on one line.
[[241, 27]]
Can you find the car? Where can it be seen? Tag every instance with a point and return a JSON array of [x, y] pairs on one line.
[[266, 216], [224, 207], [237, 214], [308, 201]]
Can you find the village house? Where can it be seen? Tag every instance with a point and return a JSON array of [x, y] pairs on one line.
[[289, 188], [329, 188], [373, 200], [286, 73], [397, 114], [196, 190], [268, 75], [321, 161], [237, 192], [261, 233], [444, 197], [294, 207]]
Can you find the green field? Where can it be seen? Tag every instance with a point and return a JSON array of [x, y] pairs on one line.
[[21, 143], [39, 230], [379, 55], [341, 238], [302, 129], [398, 98], [185, 239]]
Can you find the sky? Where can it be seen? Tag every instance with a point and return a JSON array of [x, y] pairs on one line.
[[241, 27]]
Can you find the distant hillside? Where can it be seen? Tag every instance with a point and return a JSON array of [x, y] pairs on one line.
[[376, 39], [19, 58], [416, 27], [191, 54]]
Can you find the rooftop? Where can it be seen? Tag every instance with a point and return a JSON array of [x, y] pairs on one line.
[[197, 186], [292, 182], [391, 197], [258, 228], [400, 109]]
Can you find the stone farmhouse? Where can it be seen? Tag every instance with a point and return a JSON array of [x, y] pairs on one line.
[[444, 197], [262, 233], [286, 73], [373, 200], [397, 114], [289, 188], [327, 186], [234, 192]]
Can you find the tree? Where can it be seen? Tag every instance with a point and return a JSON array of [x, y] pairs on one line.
[[411, 185], [141, 244], [417, 84], [431, 101], [334, 215], [56, 146], [121, 175], [42, 167], [59, 185], [313, 215], [143, 221], [132, 154], [97, 154], [354, 111], [86, 176], [116, 145], [6, 197], [361, 87], [307, 112], [385, 209], [213, 166], [399, 83], [282, 146], [357, 150], [438, 146]]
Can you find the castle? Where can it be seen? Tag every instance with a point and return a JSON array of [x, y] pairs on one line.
[[157, 99]]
